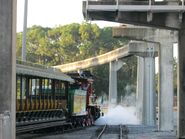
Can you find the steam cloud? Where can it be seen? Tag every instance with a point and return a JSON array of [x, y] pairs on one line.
[[119, 115]]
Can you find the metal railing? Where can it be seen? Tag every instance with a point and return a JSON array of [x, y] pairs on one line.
[[147, 5]]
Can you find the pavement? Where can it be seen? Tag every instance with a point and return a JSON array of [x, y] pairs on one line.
[[135, 132], [149, 132]]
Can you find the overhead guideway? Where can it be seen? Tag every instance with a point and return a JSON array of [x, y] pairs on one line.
[[121, 52], [95, 61]]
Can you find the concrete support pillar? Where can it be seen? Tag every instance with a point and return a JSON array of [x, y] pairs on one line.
[[140, 89], [112, 84], [149, 92], [181, 86], [145, 90], [114, 66], [7, 68], [165, 38], [165, 95], [146, 52]]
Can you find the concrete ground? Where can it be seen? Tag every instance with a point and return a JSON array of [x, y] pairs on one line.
[[147, 132], [135, 132], [86, 133]]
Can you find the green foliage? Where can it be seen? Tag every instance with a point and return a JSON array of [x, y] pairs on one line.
[[127, 76], [101, 76], [73, 42], [19, 45]]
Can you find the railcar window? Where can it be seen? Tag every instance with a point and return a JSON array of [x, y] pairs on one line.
[[18, 87], [18, 93], [50, 93], [32, 87], [36, 87], [59, 88], [63, 88], [23, 88]]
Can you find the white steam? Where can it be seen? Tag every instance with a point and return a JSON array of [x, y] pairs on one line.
[[119, 115]]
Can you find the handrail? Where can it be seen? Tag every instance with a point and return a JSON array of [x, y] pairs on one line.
[[148, 7]]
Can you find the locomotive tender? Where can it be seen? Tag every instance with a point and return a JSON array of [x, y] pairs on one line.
[[44, 93]]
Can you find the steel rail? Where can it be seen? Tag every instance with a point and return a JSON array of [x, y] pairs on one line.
[[121, 132], [125, 131], [101, 133]]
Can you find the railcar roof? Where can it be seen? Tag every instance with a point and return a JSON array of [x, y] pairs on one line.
[[31, 69]]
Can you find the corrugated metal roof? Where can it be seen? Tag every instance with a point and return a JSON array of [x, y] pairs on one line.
[[41, 71]]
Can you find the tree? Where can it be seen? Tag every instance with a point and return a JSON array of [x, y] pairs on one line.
[[19, 46], [74, 42]]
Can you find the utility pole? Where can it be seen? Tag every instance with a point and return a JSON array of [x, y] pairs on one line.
[[24, 31]]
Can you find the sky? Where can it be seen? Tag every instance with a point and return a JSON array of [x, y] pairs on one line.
[[51, 13]]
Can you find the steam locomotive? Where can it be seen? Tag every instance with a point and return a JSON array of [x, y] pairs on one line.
[[44, 93]]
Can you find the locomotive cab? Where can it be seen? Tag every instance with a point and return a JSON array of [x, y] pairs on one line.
[[84, 82]]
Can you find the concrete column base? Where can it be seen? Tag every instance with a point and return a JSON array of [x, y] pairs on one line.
[[5, 126]]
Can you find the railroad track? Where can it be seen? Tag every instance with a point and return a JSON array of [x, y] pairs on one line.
[[101, 132], [113, 132]]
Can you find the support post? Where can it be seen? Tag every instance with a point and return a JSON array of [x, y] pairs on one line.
[[114, 66], [149, 92], [181, 86], [7, 68], [140, 88], [165, 96], [146, 81], [165, 38], [24, 31]]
